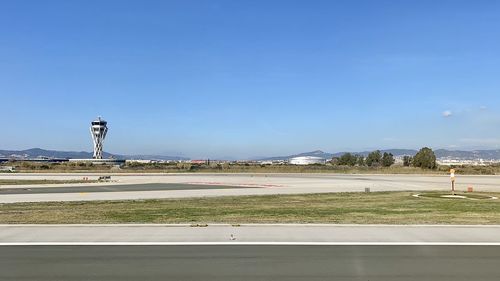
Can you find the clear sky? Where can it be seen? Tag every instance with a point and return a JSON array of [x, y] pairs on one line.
[[250, 78]]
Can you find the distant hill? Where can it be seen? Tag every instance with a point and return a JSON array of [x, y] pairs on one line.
[[395, 152], [468, 155], [326, 155], [317, 153], [39, 153], [440, 153]]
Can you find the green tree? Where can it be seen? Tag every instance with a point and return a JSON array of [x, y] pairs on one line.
[[407, 161], [184, 166], [360, 161], [374, 158], [425, 159], [334, 161], [347, 159], [387, 159]]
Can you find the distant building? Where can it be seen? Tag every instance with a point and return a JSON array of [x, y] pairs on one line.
[[99, 161], [7, 169], [307, 160], [141, 161], [466, 162], [200, 161]]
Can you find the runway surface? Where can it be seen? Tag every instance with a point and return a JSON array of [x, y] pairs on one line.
[[146, 186], [241, 263], [113, 188], [249, 252]]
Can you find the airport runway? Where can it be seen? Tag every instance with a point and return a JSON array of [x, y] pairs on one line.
[[249, 252], [114, 188], [241, 263], [149, 186]]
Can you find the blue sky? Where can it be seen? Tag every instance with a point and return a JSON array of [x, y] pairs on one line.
[[250, 78]]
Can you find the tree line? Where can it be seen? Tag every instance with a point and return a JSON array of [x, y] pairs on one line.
[[425, 158]]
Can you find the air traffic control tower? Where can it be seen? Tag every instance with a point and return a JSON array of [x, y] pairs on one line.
[[98, 130]]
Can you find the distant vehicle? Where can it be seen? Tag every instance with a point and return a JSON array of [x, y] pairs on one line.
[[104, 178]]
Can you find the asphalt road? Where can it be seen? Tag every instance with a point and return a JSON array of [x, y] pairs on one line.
[[238, 263], [114, 188]]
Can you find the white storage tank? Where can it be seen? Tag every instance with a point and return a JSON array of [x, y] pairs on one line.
[[307, 160]]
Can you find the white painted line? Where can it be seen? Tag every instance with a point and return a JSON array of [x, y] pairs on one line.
[[250, 244]]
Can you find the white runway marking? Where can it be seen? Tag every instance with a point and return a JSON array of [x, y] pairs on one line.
[[251, 244]]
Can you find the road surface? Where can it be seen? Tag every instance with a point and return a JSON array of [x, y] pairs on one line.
[[249, 252], [149, 186], [113, 188], [238, 263]]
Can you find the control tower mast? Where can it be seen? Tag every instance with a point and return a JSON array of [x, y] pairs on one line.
[[98, 130]]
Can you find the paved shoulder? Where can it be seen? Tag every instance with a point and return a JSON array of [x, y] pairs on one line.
[[251, 233]]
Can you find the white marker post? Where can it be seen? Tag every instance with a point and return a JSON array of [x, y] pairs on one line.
[[452, 178]]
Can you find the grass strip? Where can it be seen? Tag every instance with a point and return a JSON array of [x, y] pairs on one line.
[[342, 208]]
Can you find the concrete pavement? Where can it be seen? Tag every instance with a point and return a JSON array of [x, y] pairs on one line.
[[246, 183], [249, 233]]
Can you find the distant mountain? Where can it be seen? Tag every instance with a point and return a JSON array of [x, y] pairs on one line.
[[468, 155], [440, 153], [152, 157], [395, 152], [41, 153], [38, 153], [317, 153], [326, 155]]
